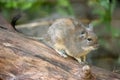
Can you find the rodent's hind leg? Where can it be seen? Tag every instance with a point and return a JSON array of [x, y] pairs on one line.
[[60, 49], [61, 52]]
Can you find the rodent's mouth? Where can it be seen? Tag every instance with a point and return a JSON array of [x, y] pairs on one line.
[[90, 48]]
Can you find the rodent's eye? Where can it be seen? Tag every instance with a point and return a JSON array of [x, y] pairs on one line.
[[89, 39], [83, 32]]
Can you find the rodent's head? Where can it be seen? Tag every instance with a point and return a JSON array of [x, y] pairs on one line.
[[89, 38], [83, 39]]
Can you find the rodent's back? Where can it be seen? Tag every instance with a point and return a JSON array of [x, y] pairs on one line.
[[60, 30]]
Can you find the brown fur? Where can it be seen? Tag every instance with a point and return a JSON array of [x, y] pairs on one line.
[[72, 37]]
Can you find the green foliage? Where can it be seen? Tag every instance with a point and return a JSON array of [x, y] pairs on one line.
[[35, 8], [12, 4], [64, 4], [104, 9]]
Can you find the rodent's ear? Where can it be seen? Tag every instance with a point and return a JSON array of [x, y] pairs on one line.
[[90, 27]]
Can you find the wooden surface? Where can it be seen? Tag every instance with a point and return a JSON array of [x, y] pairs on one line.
[[22, 58]]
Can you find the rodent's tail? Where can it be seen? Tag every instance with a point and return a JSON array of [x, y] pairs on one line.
[[14, 20]]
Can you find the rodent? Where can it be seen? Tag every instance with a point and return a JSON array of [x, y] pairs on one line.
[[69, 37]]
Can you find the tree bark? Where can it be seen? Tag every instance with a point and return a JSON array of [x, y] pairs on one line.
[[22, 58]]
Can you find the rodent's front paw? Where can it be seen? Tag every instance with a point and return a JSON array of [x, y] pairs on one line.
[[61, 52], [82, 60]]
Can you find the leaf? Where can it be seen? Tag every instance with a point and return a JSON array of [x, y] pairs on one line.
[[26, 5], [63, 2]]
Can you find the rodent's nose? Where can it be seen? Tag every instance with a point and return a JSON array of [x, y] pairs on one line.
[[89, 39]]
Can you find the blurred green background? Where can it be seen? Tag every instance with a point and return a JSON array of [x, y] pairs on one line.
[[35, 8], [104, 14]]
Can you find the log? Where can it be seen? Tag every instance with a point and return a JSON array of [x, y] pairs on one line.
[[23, 58]]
